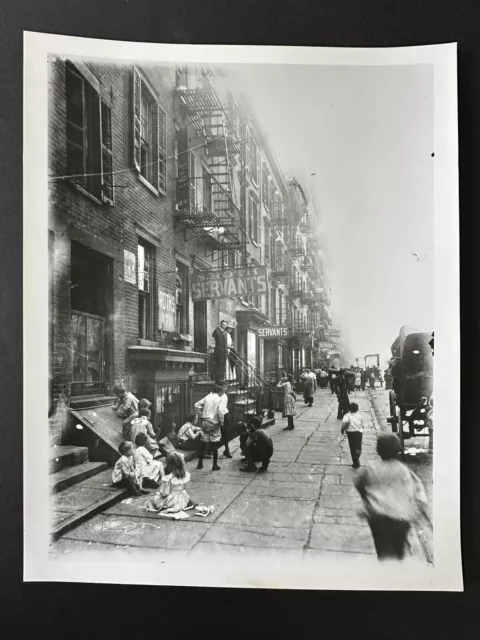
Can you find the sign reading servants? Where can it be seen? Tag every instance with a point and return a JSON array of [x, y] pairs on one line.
[[276, 331], [229, 283]]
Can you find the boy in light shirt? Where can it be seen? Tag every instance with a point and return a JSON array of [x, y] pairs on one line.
[[352, 424]]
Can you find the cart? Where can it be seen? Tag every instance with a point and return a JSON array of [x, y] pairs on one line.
[[375, 367], [411, 399]]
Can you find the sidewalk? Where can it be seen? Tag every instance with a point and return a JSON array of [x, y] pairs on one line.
[[305, 501]]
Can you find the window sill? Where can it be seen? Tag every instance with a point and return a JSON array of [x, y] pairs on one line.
[[85, 192], [149, 186]]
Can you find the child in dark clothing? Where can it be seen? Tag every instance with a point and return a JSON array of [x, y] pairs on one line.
[[258, 447]]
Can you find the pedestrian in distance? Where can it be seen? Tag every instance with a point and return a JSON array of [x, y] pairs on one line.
[[352, 425], [125, 474], [358, 381], [289, 401], [211, 411], [372, 380], [394, 500], [364, 379], [309, 386], [342, 395], [258, 447]]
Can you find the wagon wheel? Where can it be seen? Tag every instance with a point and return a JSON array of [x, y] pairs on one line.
[[393, 410]]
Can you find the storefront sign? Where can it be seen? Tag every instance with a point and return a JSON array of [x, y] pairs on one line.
[[166, 310], [332, 333], [229, 283], [129, 271], [273, 332], [327, 345]]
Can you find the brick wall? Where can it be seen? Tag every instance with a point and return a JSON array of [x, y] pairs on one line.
[[110, 230]]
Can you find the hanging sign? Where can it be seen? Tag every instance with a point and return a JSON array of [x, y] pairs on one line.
[[166, 310], [229, 283], [129, 271], [327, 345], [275, 331]]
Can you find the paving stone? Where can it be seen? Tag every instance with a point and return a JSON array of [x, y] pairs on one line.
[[278, 512], [297, 490], [282, 538], [339, 490], [140, 532], [77, 498], [344, 537]]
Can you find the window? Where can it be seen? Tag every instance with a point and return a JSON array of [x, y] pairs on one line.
[[265, 185], [254, 219], [266, 241], [89, 136], [181, 322], [145, 283], [254, 165], [273, 305], [281, 318], [150, 135]]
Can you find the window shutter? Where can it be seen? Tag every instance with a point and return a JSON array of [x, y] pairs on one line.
[[258, 223], [137, 96], [250, 216], [193, 182], [247, 147], [107, 154], [75, 125], [266, 242], [265, 186], [183, 190], [162, 149]]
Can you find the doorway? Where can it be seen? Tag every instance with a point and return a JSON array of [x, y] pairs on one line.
[[91, 287]]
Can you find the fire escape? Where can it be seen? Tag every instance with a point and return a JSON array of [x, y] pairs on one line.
[[218, 221]]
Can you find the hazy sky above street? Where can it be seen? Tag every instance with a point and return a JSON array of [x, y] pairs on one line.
[[367, 135]]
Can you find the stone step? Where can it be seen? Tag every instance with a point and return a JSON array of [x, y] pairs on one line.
[[82, 501], [70, 476], [61, 457]]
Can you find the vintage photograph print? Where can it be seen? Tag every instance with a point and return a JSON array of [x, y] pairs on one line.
[[237, 256]]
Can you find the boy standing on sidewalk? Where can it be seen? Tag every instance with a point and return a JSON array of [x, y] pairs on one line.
[[352, 423]]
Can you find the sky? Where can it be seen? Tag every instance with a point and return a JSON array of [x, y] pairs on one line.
[[366, 132]]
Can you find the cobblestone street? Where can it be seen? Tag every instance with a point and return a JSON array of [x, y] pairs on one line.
[[306, 501]]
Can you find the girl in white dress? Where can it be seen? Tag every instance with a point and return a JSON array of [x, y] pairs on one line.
[[148, 469], [172, 496]]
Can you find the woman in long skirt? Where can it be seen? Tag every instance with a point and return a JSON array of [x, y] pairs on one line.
[[289, 401]]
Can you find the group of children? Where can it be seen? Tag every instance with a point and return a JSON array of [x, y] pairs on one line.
[[393, 496]]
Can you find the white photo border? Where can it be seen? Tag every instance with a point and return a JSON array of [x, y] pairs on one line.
[[279, 569]]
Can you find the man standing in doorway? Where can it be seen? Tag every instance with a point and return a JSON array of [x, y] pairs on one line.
[[221, 351]]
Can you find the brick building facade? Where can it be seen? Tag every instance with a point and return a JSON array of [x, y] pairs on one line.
[[155, 173]]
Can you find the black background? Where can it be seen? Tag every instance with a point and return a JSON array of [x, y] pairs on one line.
[[66, 610]]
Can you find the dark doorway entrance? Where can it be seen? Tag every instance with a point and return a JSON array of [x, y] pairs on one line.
[[91, 292]]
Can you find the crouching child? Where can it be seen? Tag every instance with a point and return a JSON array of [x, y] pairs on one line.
[[258, 447]]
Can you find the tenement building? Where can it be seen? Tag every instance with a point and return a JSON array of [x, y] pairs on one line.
[[169, 214]]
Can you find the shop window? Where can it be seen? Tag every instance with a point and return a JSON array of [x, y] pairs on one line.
[[145, 286], [89, 136], [150, 135], [170, 405]]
